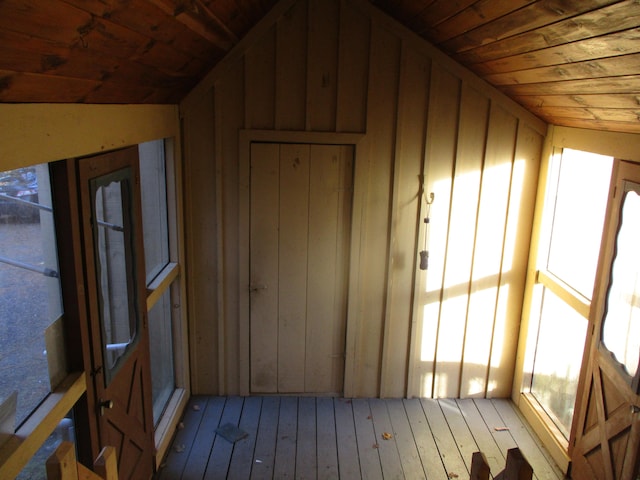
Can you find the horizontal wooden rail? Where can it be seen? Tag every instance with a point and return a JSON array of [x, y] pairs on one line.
[[19, 449]]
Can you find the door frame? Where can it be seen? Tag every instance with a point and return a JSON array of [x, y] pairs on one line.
[[246, 137]]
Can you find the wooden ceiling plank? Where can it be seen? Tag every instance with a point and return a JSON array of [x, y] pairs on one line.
[[133, 73], [532, 17], [126, 93], [37, 88], [104, 37], [188, 42], [19, 52], [405, 11], [150, 21], [605, 67], [567, 112], [629, 84], [605, 114], [614, 101], [480, 13], [612, 45], [165, 59], [36, 56], [219, 23], [235, 18], [613, 18], [195, 23], [616, 115], [51, 20], [439, 11], [23, 53], [609, 126]]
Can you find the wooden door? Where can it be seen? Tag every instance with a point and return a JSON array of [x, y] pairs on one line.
[[112, 231], [608, 427], [299, 251]]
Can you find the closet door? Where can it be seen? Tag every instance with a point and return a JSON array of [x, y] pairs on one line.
[[299, 238]]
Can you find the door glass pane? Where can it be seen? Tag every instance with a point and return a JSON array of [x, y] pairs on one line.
[[161, 340], [153, 188], [113, 241], [30, 295], [578, 216], [561, 338], [621, 324]]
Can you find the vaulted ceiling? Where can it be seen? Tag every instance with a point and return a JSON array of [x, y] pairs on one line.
[[571, 62]]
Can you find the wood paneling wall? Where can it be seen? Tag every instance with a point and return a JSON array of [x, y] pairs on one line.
[[428, 125]]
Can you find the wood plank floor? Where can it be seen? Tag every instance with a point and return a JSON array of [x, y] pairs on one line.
[[326, 438]]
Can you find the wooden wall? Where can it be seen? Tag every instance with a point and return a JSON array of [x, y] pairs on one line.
[[342, 66]]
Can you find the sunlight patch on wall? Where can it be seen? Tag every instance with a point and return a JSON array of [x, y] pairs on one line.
[[515, 200], [466, 302]]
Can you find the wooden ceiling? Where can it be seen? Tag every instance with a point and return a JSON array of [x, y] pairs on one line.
[[571, 62], [116, 51]]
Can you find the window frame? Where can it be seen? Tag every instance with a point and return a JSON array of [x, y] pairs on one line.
[[539, 278], [170, 279]]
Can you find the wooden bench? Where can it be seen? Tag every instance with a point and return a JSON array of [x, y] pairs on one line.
[[62, 465], [517, 467]]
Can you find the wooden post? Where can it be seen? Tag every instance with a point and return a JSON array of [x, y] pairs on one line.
[[517, 467], [61, 465], [106, 465], [480, 469]]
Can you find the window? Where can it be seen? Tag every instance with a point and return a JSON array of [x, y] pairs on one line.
[[31, 348], [569, 245], [154, 207], [32, 361], [161, 341], [160, 271]]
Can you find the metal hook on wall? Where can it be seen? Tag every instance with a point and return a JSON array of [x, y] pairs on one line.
[[430, 199], [424, 254]]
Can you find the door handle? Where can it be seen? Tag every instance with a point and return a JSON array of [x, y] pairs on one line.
[[255, 288], [105, 404]]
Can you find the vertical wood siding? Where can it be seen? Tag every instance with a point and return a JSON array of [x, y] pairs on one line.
[[342, 66]]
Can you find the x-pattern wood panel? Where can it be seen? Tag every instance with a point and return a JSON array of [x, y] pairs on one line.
[[609, 430]]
